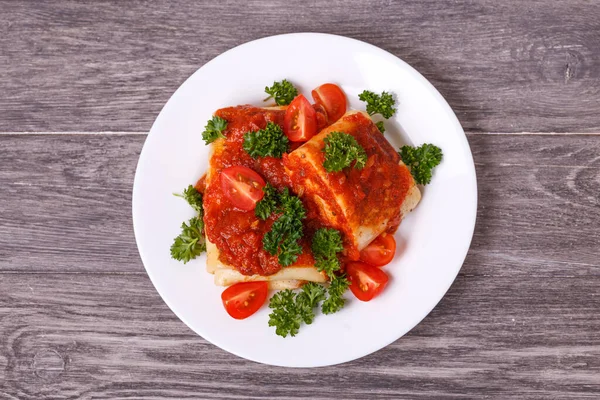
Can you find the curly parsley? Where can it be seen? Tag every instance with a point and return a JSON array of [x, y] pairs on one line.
[[190, 243], [214, 129], [341, 149], [380, 126], [290, 309], [194, 199], [378, 103], [285, 316], [285, 232], [282, 92], [421, 160], [326, 243], [270, 141], [335, 302], [311, 295], [268, 204]]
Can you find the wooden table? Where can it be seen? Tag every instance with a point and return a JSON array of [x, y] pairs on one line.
[[80, 85]]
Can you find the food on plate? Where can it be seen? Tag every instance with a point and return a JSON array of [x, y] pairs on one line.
[[191, 242], [300, 121], [244, 299], [301, 196], [282, 92], [351, 179], [366, 281], [421, 161]]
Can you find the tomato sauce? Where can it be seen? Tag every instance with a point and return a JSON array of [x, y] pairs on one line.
[[376, 192], [373, 194], [238, 234]]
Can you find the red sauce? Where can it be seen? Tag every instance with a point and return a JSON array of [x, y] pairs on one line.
[[238, 234], [200, 186], [376, 191]]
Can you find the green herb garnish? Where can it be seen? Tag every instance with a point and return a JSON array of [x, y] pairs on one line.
[[282, 92], [270, 141], [190, 243], [194, 199], [378, 103], [214, 129], [268, 204], [282, 239], [421, 161], [290, 309], [326, 243], [335, 302], [341, 149]]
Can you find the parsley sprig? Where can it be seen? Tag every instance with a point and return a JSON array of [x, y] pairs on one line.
[[268, 204], [270, 141], [341, 149], [290, 309], [421, 160], [214, 129], [378, 103], [282, 92], [286, 231], [380, 126], [335, 302], [193, 197], [191, 242], [326, 243]]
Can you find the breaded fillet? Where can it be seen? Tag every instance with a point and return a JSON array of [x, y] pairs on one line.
[[360, 203]]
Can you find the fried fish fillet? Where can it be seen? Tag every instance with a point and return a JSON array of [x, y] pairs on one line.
[[362, 203], [226, 152]]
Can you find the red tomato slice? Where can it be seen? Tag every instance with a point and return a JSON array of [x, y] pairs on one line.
[[242, 186], [300, 120], [380, 251], [322, 121], [245, 298], [366, 281], [332, 98]]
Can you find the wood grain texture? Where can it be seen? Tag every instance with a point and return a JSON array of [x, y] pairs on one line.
[[507, 66], [79, 319], [111, 337]]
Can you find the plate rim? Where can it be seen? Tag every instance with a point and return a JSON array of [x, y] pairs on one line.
[[441, 101]]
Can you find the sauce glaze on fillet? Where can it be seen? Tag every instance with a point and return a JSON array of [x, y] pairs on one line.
[[360, 203], [238, 234]]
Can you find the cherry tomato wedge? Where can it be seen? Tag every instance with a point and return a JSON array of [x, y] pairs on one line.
[[242, 186], [321, 114], [380, 251], [300, 120], [366, 281], [332, 98], [245, 298]]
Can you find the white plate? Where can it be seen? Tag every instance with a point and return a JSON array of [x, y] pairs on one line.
[[437, 234]]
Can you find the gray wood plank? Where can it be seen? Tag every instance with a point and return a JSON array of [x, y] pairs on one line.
[[102, 336], [65, 204], [79, 318], [506, 66]]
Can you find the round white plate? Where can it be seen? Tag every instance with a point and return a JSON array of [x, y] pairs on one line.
[[437, 234]]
